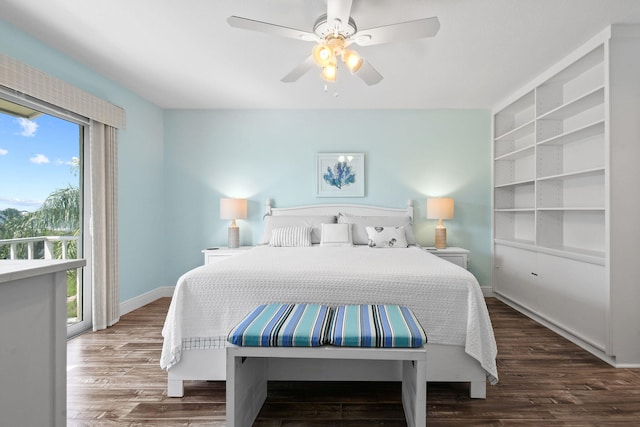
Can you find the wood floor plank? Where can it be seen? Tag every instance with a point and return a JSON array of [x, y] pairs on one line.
[[114, 379]]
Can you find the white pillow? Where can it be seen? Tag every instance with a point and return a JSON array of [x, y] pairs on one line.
[[315, 222], [360, 223], [290, 237], [336, 235], [387, 237]]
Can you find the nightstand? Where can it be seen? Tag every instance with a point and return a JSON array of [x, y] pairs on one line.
[[458, 256], [212, 255]]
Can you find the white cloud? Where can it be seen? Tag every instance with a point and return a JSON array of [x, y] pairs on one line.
[[39, 159], [29, 127], [3, 152]]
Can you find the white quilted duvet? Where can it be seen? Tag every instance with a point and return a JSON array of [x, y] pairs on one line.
[[209, 301]]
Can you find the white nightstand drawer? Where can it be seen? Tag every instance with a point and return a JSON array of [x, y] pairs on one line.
[[458, 256], [212, 255]]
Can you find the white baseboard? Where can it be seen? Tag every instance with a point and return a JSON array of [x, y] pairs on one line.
[[487, 291], [146, 298]]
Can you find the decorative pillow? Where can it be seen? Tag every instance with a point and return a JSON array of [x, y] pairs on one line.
[[376, 326], [315, 222], [336, 235], [387, 237], [291, 236], [283, 325], [360, 223]]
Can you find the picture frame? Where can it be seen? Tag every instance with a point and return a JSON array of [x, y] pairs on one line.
[[340, 175]]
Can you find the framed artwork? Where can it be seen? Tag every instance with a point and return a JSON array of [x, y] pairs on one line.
[[340, 175]]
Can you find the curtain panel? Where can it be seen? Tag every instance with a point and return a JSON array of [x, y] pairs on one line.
[[104, 225]]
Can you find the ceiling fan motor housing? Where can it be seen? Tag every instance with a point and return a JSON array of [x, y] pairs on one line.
[[324, 29]]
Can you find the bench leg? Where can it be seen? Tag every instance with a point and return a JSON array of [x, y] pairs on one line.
[[246, 389], [414, 392]]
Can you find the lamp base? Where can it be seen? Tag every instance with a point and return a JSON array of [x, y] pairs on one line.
[[441, 238], [234, 237]]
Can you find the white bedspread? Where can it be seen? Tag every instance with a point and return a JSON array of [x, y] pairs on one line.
[[210, 300]]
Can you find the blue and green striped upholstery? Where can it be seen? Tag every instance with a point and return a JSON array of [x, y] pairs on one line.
[[376, 326], [283, 325]]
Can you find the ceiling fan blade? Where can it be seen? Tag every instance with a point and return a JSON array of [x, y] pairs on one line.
[[368, 74], [411, 30], [299, 71], [265, 27], [338, 10]]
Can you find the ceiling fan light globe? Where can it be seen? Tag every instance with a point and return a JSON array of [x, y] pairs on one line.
[[329, 72], [322, 54], [352, 60]]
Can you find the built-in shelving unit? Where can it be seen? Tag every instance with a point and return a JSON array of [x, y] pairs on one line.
[[549, 161], [565, 147]]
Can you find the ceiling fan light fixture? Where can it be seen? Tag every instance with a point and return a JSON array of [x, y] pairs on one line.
[[323, 55], [352, 60], [329, 72]]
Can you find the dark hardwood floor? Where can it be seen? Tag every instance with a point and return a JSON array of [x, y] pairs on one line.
[[114, 379]]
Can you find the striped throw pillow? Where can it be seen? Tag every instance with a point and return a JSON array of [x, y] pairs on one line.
[[291, 236], [376, 326], [283, 325]]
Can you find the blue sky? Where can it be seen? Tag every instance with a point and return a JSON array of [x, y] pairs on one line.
[[35, 159]]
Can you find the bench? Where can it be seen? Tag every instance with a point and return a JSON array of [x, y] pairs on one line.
[[313, 332]]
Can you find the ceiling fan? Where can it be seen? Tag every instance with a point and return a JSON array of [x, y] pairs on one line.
[[333, 33]]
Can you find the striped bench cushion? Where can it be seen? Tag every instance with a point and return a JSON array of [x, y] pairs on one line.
[[283, 325], [376, 326]]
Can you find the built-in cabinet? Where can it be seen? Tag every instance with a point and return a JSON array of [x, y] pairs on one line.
[[33, 333], [566, 160]]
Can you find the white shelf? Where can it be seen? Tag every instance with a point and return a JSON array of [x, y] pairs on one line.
[[517, 133], [586, 208], [517, 243], [576, 106], [575, 135], [518, 154], [563, 176], [515, 116], [515, 183], [515, 210]]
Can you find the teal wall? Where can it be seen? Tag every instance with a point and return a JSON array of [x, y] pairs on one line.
[[140, 160], [261, 154]]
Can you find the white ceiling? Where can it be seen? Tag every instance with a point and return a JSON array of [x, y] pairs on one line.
[[183, 54]]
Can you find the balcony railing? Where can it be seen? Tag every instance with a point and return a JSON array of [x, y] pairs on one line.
[[49, 244], [44, 247]]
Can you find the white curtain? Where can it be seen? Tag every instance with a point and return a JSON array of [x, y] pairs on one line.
[[104, 224]]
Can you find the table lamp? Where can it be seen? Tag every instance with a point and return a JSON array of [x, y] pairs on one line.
[[440, 208], [233, 209]]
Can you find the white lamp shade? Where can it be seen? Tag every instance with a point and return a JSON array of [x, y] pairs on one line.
[[440, 208], [233, 208]]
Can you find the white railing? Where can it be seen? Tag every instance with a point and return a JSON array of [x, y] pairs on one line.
[[49, 242]]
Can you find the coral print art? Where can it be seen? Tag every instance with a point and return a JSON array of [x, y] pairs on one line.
[[340, 175]]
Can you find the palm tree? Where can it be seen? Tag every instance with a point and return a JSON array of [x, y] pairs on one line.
[[60, 212]]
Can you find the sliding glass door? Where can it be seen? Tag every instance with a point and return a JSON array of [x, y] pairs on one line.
[[42, 196]]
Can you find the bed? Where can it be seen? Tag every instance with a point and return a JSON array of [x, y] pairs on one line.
[[209, 300]]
